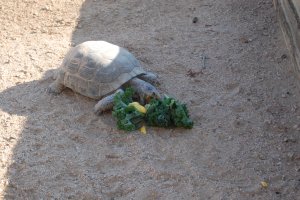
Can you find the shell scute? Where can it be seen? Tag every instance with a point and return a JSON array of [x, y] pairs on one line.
[[82, 86], [71, 81], [73, 66], [87, 73]]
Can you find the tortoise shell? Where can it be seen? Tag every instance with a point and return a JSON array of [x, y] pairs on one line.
[[97, 68]]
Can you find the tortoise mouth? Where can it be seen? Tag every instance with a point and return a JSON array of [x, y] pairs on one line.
[[148, 98]]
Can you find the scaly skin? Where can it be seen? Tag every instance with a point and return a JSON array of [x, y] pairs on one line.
[[142, 88], [106, 103]]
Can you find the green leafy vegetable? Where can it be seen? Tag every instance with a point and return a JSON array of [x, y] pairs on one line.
[[165, 112], [128, 118], [158, 113], [168, 112]]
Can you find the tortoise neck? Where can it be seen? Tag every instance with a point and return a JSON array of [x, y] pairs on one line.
[[136, 83]]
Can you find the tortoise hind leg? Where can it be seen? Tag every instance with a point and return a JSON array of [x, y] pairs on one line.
[[106, 103], [57, 86]]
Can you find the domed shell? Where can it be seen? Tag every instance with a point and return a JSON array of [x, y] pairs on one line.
[[97, 68]]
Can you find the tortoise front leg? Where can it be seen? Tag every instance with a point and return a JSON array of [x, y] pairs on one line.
[[106, 103]]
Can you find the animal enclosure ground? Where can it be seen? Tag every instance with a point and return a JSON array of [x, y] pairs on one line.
[[243, 98]]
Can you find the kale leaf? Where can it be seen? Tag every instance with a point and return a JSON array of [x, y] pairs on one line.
[[168, 112], [165, 112], [128, 118]]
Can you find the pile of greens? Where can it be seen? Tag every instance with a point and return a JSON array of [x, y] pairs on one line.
[[128, 118], [165, 112]]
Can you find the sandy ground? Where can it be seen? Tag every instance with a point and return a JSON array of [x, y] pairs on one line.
[[244, 102]]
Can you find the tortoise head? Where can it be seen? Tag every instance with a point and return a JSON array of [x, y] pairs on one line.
[[151, 92], [144, 90]]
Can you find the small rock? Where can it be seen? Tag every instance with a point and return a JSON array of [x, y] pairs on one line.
[[294, 108], [46, 8], [264, 184], [296, 126], [284, 56], [244, 40], [193, 73], [265, 34], [292, 140], [195, 20], [291, 155], [43, 31]]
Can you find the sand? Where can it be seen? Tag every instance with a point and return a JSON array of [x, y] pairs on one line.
[[243, 98]]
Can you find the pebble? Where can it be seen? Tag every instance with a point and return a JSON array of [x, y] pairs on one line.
[[284, 56], [265, 34], [195, 20], [244, 40], [296, 126], [294, 108], [293, 140], [264, 184], [291, 155], [46, 8]]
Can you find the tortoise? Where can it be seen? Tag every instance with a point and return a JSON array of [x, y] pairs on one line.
[[99, 70]]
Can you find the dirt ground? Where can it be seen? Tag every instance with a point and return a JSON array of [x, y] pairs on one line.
[[244, 101]]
